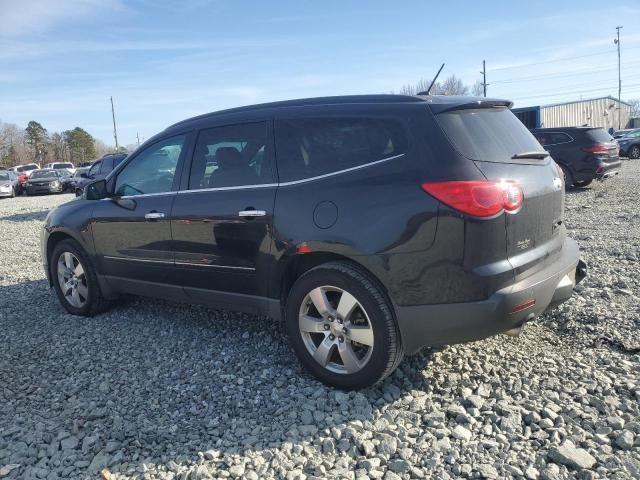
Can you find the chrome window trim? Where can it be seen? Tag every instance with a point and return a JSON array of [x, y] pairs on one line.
[[294, 182], [340, 172]]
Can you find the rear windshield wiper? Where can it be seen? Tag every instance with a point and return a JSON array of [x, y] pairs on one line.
[[536, 155]]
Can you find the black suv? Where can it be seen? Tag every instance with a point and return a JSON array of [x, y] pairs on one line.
[[585, 154], [99, 169], [373, 225]]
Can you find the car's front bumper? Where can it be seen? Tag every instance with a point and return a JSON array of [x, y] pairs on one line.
[[5, 194], [34, 190], [443, 324]]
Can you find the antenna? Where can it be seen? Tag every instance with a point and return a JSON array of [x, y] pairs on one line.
[[426, 92]]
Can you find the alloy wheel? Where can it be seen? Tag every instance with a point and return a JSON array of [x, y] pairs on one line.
[[635, 152], [72, 280], [336, 330]]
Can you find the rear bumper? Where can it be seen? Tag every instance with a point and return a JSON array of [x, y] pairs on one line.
[[608, 169], [443, 324]]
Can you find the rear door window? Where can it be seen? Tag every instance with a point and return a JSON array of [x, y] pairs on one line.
[[310, 147], [231, 156], [491, 134]]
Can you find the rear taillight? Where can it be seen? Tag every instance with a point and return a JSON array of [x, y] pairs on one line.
[[478, 198], [597, 148]]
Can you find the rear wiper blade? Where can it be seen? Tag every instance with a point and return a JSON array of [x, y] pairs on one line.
[[537, 155]]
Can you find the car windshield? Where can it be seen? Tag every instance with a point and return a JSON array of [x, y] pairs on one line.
[[4, 176], [44, 174]]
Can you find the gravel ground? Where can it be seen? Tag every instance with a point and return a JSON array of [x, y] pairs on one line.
[[159, 390]]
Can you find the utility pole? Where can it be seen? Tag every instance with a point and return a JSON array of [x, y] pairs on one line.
[[115, 132], [617, 42], [138, 136], [484, 77]]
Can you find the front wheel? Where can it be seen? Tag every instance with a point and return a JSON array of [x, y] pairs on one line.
[[75, 280], [634, 152], [342, 327]]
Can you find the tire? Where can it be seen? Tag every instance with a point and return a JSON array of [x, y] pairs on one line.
[[582, 183], [78, 192], [91, 299], [346, 363], [634, 152], [13, 192], [568, 178]]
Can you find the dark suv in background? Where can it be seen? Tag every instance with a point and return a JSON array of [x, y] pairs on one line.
[[585, 154], [99, 169], [373, 225]]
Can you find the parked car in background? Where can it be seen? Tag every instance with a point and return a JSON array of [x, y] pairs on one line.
[[374, 224], [621, 133], [584, 153], [99, 169], [9, 184], [61, 166], [86, 164], [45, 181], [26, 169], [630, 144], [22, 179], [72, 181]]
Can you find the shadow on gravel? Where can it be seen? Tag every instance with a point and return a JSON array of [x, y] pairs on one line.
[[152, 381], [26, 217]]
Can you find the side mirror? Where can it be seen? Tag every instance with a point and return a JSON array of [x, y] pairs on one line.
[[97, 190]]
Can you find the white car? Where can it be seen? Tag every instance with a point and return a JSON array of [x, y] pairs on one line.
[[25, 169], [61, 165]]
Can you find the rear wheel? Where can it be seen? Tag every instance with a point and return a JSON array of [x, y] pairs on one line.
[[75, 280], [634, 152], [78, 192], [341, 327], [582, 183], [568, 178]]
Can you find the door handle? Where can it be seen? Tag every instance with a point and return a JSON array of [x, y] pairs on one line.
[[154, 215], [252, 213]]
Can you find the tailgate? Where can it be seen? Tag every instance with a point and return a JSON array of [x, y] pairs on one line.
[[502, 148]]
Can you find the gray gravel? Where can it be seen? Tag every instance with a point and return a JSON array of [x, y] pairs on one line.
[[159, 390]]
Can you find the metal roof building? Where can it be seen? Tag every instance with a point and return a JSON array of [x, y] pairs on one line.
[[605, 112]]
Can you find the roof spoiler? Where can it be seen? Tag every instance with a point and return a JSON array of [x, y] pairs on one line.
[[475, 104]]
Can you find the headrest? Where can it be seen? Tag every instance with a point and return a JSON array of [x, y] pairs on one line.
[[228, 156]]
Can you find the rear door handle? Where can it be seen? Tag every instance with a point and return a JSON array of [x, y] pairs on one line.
[[154, 215], [252, 213]]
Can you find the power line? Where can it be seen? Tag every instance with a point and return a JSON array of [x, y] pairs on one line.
[[572, 92], [555, 60], [568, 73]]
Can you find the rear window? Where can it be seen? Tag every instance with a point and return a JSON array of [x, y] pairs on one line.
[[493, 134], [599, 135], [310, 147], [62, 165]]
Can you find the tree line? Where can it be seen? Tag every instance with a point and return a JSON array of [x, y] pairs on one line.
[[451, 85], [35, 144]]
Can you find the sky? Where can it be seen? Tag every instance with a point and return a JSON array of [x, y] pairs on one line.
[[166, 61]]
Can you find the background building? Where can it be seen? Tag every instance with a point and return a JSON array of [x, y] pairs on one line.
[[605, 112]]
